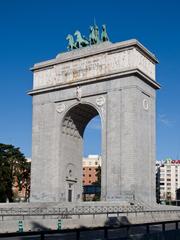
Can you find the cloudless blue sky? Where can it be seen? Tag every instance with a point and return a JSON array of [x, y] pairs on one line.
[[34, 30]]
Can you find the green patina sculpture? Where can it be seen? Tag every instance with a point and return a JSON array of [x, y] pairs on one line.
[[96, 32], [82, 41], [71, 44], [92, 36], [104, 35]]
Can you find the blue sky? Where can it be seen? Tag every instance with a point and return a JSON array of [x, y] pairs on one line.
[[32, 31]]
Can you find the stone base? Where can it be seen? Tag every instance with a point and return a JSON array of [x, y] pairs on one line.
[[43, 216]]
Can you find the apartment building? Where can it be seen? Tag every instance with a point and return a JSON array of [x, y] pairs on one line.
[[167, 179], [90, 165]]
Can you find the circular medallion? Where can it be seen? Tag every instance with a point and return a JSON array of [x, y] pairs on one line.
[[145, 104], [100, 101], [60, 107]]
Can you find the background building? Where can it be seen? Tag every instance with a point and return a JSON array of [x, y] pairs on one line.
[[167, 180], [92, 178], [90, 165]]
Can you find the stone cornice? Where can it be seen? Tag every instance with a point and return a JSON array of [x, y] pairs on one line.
[[137, 72], [95, 50]]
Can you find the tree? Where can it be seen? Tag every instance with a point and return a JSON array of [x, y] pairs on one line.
[[14, 171]]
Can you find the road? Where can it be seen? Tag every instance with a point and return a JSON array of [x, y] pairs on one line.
[[118, 234]]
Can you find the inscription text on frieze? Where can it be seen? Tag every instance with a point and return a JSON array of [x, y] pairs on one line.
[[93, 67]]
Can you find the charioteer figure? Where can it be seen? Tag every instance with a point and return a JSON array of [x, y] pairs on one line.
[[104, 35]]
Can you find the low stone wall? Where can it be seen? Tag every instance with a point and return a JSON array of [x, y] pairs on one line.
[[46, 216]]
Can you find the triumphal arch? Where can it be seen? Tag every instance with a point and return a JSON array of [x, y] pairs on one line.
[[115, 81]]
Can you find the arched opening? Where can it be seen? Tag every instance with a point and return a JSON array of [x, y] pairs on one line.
[[73, 127], [77, 118], [92, 160]]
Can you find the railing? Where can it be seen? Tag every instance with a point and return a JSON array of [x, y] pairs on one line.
[[83, 210], [143, 231]]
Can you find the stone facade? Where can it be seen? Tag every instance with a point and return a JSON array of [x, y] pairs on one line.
[[116, 81]]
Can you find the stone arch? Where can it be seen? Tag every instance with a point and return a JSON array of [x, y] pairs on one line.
[[76, 119], [117, 79]]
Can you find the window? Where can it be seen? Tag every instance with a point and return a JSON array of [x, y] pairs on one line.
[[69, 195], [89, 169], [89, 181], [83, 175], [89, 175]]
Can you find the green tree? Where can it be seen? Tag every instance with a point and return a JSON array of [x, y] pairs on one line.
[[14, 171]]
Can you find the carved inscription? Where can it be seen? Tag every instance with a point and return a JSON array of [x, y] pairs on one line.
[[80, 69], [93, 67]]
